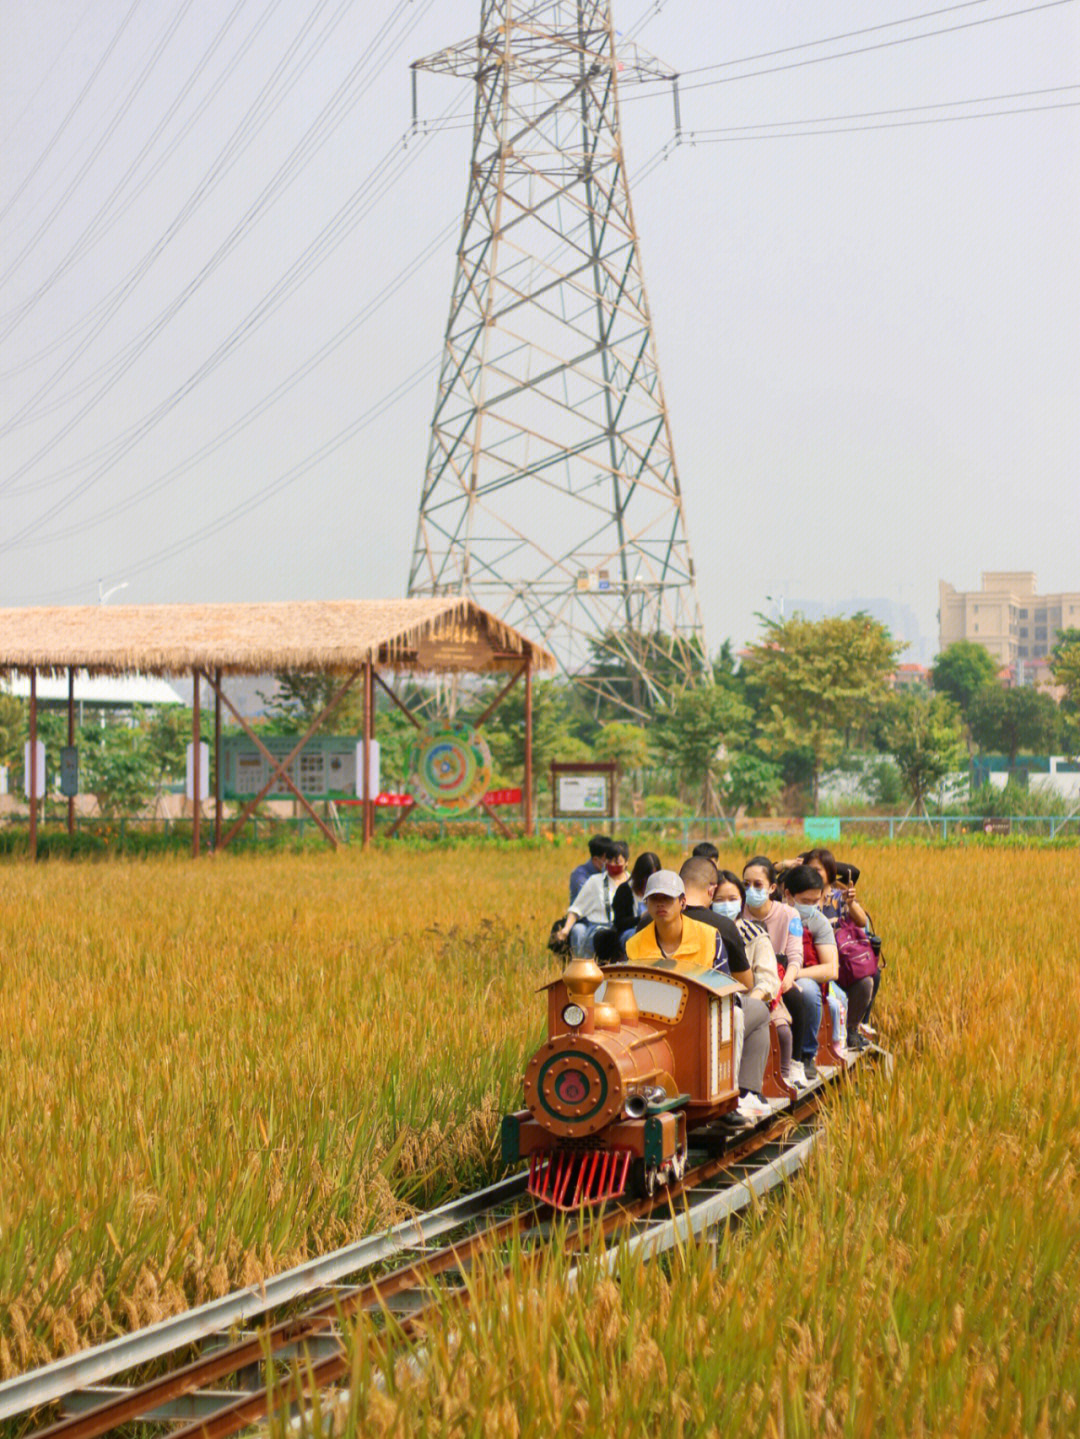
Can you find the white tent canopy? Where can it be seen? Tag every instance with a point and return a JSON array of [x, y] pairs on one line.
[[115, 691]]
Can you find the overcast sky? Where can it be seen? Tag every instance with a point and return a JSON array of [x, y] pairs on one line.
[[868, 340]]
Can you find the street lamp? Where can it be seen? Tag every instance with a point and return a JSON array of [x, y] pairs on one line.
[[103, 593]]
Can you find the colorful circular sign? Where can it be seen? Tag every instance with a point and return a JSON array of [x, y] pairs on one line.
[[449, 769]]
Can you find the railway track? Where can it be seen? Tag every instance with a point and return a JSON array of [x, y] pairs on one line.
[[224, 1389]]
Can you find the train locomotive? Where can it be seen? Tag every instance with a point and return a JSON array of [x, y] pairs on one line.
[[636, 1058]]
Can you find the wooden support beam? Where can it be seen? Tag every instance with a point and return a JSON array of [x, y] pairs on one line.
[[196, 767], [217, 759], [497, 701], [71, 742], [368, 826], [279, 768], [528, 785], [403, 708], [33, 763]]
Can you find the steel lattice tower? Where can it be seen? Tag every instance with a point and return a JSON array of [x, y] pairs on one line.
[[551, 494]]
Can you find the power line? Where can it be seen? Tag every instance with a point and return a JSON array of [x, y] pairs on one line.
[[289, 282], [863, 49], [303, 467], [900, 110], [73, 110], [888, 125], [831, 39], [301, 154], [129, 100]]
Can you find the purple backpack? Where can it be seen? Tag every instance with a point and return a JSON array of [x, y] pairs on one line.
[[857, 957]]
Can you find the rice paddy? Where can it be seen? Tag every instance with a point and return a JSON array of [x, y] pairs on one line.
[[211, 1072]]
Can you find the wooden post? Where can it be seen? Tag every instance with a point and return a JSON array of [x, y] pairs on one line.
[[196, 767], [369, 728], [528, 748], [71, 741], [33, 763], [217, 759]]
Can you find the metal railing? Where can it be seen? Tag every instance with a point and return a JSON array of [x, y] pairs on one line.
[[115, 835]]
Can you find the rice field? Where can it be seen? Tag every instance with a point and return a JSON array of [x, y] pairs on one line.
[[211, 1072]]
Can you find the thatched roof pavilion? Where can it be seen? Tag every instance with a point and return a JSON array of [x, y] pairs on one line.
[[449, 635], [355, 639]]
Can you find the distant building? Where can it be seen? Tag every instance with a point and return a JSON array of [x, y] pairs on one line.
[[911, 677], [1009, 619]]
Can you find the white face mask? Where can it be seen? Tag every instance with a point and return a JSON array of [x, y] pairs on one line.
[[729, 908], [756, 897], [805, 910]]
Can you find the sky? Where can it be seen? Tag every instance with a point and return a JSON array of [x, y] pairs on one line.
[[220, 303]]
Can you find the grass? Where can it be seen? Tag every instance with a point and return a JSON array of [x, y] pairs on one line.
[[211, 1072]]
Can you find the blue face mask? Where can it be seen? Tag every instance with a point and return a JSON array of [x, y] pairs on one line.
[[805, 910], [729, 908], [755, 897]]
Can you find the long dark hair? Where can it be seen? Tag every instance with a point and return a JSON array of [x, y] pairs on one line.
[[645, 865]]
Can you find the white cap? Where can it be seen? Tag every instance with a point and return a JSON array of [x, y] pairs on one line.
[[664, 881]]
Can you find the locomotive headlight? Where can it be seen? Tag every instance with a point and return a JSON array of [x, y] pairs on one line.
[[573, 1016]]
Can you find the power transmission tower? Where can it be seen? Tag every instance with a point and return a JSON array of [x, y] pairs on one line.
[[551, 494]]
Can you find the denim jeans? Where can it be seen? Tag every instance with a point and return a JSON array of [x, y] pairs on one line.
[[581, 939], [811, 993]]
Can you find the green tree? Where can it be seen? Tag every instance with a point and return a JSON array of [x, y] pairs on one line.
[[117, 765], [1008, 721], [12, 729], [926, 738], [819, 682], [1065, 667], [750, 783], [167, 732], [691, 735], [961, 671], [300, 698]]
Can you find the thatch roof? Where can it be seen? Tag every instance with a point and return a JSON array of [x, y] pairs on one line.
[[447, 635]]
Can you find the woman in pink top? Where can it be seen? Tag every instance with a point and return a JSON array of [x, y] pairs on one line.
[[784, 928]]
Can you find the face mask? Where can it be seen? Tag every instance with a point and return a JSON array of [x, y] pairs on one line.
[[805, 910], [729, 908], [614, 870], [756, 897]]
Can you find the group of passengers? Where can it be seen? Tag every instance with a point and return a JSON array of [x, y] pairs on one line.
[[777, 930]]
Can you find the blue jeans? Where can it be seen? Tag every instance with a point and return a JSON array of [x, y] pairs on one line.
[[811, 992], [581, 939]]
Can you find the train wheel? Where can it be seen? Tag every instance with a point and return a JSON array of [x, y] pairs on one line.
[[644, 1179]]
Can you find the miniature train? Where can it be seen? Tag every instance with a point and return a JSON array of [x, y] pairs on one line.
[[637, 1058]]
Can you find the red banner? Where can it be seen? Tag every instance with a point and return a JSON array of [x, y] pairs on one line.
[[501, 796], [395, 801]]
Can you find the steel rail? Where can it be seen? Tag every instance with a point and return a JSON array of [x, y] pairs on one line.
[[314, 1327], [317, 1376], [105, 1361]]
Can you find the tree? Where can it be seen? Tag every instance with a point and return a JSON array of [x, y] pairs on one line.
[[961, 671], [926, 738], [819, 681], [300, 698], [750, 783], [119, 766], [691, 736], [1065, 667], [12, 729], [1008, 721]]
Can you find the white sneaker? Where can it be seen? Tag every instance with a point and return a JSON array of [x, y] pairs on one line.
[[797, 1074], [753, 1106]]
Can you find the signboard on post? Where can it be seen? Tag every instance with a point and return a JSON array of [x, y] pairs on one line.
[[584, 790], [69, 771], [821, 829]]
